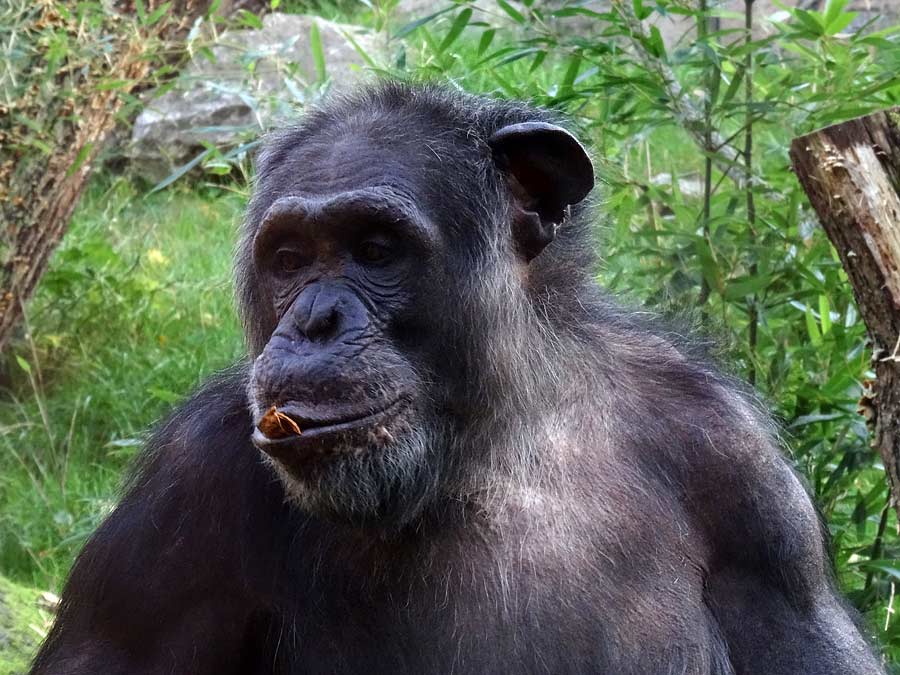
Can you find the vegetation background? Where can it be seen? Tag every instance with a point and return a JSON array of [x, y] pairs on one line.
[[698, 214]]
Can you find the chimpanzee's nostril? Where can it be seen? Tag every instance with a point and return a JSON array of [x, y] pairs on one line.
[[321, 326], [322, 321]]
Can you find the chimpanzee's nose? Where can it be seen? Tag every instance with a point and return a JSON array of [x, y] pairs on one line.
[[317, 313]]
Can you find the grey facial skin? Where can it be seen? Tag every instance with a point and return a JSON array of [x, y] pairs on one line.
[[499, 469]]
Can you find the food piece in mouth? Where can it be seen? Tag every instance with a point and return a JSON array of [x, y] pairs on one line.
[[275, 425]]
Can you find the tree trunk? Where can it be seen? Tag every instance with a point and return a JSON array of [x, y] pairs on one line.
[[58, 102], [851, 173]]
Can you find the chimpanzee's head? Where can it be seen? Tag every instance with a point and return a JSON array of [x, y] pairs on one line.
[[387, 275]]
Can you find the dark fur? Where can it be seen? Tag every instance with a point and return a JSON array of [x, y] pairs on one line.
[[593, 500]]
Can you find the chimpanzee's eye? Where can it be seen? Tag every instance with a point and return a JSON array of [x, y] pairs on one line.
[[286, 262], [373, 252]]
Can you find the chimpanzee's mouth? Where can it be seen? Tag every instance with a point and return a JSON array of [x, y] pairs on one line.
[[321, 435]]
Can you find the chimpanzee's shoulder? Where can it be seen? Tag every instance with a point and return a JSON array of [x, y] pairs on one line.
[[714, 440], [691, 425], [206, 438]]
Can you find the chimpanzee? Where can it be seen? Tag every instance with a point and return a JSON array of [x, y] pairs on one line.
[[452, 452]]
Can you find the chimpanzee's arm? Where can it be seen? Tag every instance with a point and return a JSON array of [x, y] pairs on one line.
[[773, 631], [769, 585], [157, 585]]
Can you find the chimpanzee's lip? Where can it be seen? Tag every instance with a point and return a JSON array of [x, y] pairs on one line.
[[316, 432]]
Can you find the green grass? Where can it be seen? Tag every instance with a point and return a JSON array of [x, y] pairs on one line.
[[134, 312], [23, 624]]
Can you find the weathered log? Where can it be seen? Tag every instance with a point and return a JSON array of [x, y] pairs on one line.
[[56, 109], [851, 173]]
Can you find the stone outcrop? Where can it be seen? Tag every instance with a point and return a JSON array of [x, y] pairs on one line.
[[242, 88]]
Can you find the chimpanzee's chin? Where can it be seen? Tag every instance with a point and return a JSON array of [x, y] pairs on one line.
[[382, 477]]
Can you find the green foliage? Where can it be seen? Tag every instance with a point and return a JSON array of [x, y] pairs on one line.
[[54, 60], [22, 626], [135, 311]]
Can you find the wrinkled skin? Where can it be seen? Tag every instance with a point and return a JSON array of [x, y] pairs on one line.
[[343, 359], [498, 469]]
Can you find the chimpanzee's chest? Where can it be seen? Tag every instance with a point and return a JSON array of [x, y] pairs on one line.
[[518, 604]]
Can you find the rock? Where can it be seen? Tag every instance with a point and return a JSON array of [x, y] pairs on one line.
[[418, 8], [22, 626], [678, 30], [217, 101], [689, 187]]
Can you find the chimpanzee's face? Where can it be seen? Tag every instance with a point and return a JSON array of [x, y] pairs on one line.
[[347, 258], [382, 247]]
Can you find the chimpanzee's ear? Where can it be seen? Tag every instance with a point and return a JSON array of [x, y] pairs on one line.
[[548, 170]]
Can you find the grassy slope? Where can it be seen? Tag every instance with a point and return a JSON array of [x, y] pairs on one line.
[[22, 625], [135, 311]]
